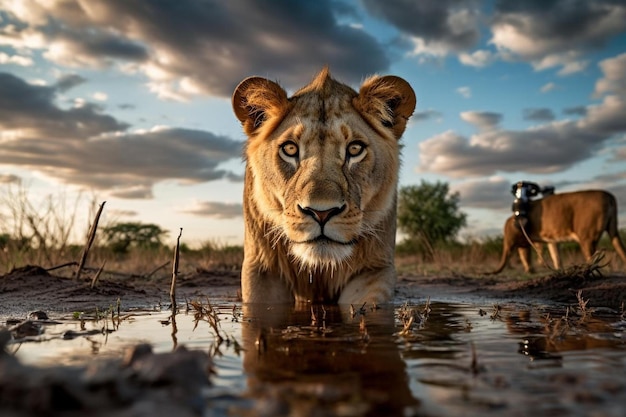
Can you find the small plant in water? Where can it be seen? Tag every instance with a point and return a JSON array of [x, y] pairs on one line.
[[209, 314], [411, 317], [497, 312], [582, 305]]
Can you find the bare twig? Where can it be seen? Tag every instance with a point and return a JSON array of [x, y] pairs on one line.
[[66, 264], [155, 270], [94, 280], [90, 239], [209, 314], [175, 272]]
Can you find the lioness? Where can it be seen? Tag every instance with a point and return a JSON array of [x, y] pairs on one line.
[[581, 216], [320, 188]]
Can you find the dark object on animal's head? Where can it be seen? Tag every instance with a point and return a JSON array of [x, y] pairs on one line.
[[523, 192]]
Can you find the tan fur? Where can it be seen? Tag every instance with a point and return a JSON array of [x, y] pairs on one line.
[[343, 180], [578, 216]]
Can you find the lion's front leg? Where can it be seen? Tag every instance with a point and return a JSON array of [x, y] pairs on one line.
[[259, 287], [372, 287]]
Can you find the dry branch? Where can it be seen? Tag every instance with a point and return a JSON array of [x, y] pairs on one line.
[[155, 270], [90, 239], [175, 272], [94, 281]]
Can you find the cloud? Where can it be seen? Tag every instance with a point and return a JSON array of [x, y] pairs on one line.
[[113, 212], [465, 92], [576, 110], [539, 115], [429, 114], [100, 96], [547, 87], [477, 59], [436, 27], [555, 34], [481, 119], [22, 61], [29, 110], [492, 193], [547, 148], [69, 81], [606, 117], [614, 80], [538, 150], [83, 146], [188, 47], [215, 209]]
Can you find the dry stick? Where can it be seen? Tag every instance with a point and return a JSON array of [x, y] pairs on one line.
[[154, 271], [175, 272], [94, 280], [90, 239], [72, 263]]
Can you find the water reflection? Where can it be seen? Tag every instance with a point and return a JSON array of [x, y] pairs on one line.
[[456, 359], [327, 360]]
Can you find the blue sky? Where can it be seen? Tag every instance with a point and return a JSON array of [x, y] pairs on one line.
[[129, 101]]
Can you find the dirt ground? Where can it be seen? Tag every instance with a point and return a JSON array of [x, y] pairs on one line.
[[32, 288]]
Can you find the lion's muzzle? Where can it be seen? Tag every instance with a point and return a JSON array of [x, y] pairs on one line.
[[322, 216]]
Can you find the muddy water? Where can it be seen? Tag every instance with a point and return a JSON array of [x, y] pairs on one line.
[[426, 359]]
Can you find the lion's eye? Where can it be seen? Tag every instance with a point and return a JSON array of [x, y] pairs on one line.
[[355, 149], [290, 149]]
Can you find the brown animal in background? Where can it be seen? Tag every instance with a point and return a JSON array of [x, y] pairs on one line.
[[320, 188], [580, 216]]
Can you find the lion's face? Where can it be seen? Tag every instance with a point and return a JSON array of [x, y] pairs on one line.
[[323, 165]]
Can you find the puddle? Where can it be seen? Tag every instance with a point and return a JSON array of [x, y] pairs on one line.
[[426, 359]]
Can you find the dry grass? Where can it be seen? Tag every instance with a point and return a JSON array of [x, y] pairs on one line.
[[41, 231], [583, 270], [206, 312]]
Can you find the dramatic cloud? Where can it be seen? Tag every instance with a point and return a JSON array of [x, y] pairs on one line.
[[189, 47], [540, 150], [29, 111], [435, 26], [551, 147], [539, 115], [83, 146], [215, 209], [492, 193], [614, 80], [555, 33], [483, 120]]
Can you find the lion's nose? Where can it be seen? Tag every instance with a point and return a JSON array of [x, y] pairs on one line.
[[322, 216]]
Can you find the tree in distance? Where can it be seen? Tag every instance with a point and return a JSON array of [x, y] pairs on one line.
[[429, 215], [120, 237]]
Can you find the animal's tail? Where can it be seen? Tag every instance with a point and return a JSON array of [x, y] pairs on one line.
[[505, 258], [613, 231]]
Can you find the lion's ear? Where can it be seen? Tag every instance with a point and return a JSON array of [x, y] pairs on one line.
[[257, 100], [388, 101]]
